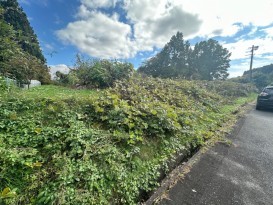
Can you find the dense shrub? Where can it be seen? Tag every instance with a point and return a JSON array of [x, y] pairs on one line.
[[102, 149], [6, 85], [99, 73], [3, 84], [229, 88]]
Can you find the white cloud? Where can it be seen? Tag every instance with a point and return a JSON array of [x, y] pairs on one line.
[[148, 25], [156, 21], [244, 65], [152, 23], [99, 3], [221, 15], [269, 32], [100, 36], [241, 48], [61, 67], [83, 12]]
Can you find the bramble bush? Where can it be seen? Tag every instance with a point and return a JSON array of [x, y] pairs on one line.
[[229, 88], [96, 73], [102, 149]]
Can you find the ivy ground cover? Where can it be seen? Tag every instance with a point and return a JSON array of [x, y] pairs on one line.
[[104, 147]]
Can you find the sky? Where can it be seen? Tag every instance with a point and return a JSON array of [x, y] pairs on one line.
[[135, 30]]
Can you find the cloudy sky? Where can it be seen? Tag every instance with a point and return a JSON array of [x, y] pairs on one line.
[[134, 30]]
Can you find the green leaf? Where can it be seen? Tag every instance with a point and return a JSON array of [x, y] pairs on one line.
[[154, 112], [8, 193]]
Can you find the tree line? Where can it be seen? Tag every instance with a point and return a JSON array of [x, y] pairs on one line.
[[21, 57], [208, 60], [20, 54]]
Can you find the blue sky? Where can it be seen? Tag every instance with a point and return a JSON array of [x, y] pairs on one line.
[[134, 30]]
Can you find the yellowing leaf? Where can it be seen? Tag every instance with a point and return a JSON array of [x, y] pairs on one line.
[[28, 164], [37, 164], [5, 191], [131, 125], [13, 116], [154, 112], [99, 109], [38, 130]]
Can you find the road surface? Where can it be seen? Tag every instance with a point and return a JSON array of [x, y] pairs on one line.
[[240, 174]]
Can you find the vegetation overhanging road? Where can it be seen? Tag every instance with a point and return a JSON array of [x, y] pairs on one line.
[[238, 174]]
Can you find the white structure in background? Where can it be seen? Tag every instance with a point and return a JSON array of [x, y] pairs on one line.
[[33, 83]]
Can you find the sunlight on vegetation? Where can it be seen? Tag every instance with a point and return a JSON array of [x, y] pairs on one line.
[[104, 133], [57, 92], [66, 146]]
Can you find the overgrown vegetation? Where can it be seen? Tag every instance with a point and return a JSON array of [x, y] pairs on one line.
[[64, 146], [103, 148], [261, 77], [88, 73]]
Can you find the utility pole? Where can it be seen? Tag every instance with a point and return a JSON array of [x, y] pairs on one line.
[[253, 48]]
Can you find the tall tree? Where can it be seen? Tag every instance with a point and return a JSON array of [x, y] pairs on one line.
[[25, 36], [172, 61], [8, 47], [210, 60], [14, 61], [25, 67]]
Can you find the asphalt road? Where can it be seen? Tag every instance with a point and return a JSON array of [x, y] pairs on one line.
[[240, 174]]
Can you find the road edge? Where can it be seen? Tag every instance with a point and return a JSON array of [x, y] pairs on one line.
[[181, 170]]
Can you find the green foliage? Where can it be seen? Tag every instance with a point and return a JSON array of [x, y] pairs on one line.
[[25, 67], [4, 87], [262, 80], [14, 15], [172, 61], [7, 86], [210, 60], [8, 47], [100, 149], [261, 77], [229, 89], [97, 73], [16, 63], [62, 78], [57, 93], [207, 61]]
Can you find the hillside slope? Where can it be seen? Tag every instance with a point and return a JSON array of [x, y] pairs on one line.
[[261, 77], [108, 147]]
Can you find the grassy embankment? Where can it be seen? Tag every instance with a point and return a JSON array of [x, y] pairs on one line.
[[63, 146]]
